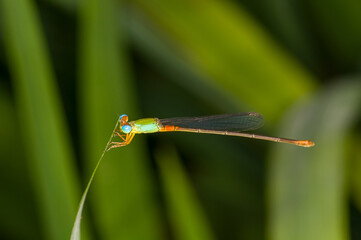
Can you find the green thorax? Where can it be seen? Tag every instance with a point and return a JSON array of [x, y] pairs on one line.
[[145, 125]]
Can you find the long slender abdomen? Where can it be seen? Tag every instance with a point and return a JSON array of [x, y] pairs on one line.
[[168, 128]]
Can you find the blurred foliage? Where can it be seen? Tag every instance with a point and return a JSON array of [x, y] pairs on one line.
[[317, 197], [185, 212], [68, 69]]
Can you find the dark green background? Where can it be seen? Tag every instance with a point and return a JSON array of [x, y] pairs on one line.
[[68, 69]]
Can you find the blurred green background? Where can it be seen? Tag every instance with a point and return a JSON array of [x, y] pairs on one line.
[[69, 68]]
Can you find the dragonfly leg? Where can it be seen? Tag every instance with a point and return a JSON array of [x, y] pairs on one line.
[[120, 135], [116, 144], [127, 140], [129, 137]]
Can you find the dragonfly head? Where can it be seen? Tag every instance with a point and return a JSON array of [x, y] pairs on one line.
[[123, 118], [124, 125]]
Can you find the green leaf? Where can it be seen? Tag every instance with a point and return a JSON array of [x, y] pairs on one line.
[[307, 194], [43, 127], [355, 170], [222, 41], [153, 45], [188, 220], [75, 234], [14, 178], [123, 200]]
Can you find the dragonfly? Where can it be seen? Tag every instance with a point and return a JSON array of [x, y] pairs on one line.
[[235, 124]]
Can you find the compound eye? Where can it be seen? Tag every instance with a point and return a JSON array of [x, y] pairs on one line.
[[126, 129]]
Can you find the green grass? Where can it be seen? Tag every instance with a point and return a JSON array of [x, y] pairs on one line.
[[45, 136], [68, 69]]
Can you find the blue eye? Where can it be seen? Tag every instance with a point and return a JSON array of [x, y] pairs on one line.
[[126, 129]]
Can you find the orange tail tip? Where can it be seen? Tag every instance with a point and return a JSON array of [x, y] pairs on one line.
[[305, 143]]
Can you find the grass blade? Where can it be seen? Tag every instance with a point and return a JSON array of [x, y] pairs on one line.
[[122, 198], [43, 125], [222, 41], [188, 221], [307, 195], [75, 234], [13, 170]]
